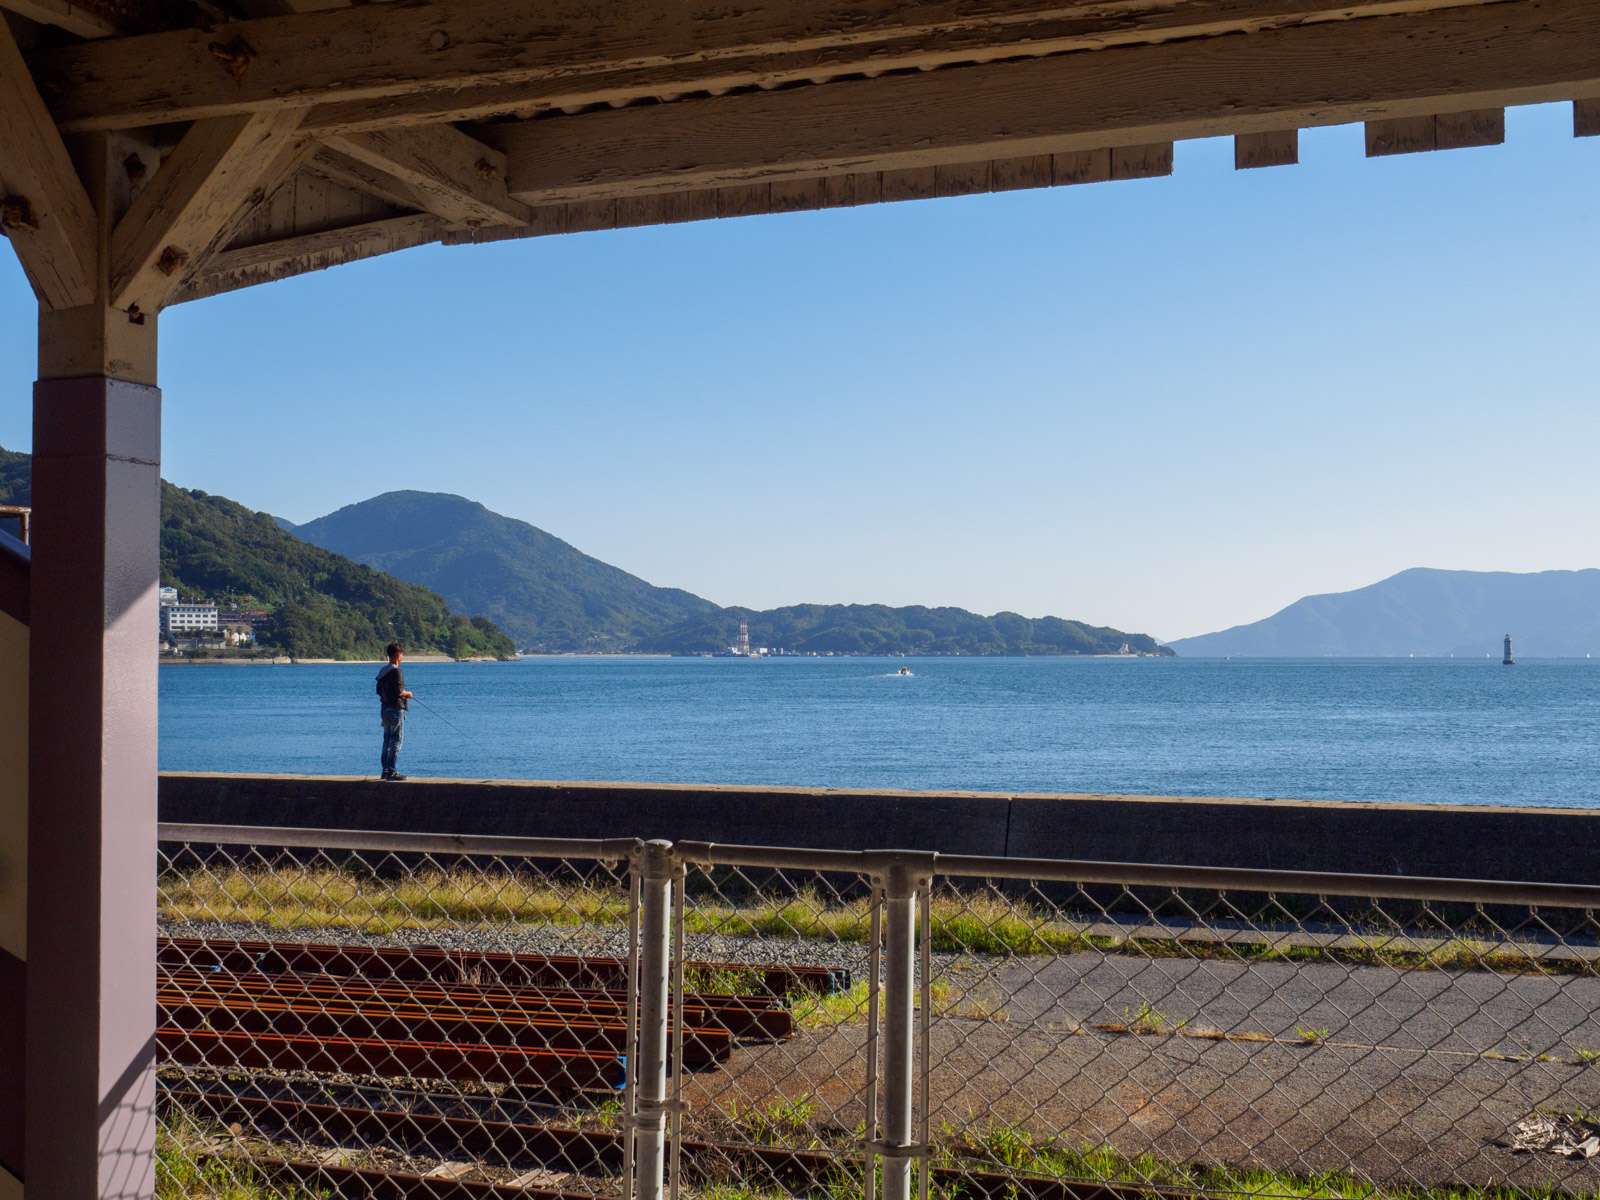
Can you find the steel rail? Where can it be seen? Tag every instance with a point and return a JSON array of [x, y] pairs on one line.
[[1220, 879], [324, 1017], [744, 1017], [521, 1065]]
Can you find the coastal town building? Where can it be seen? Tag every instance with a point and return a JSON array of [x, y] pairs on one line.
[[161, 152], [187, 620]]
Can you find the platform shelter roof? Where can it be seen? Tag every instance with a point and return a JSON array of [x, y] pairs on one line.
[[259, 139]]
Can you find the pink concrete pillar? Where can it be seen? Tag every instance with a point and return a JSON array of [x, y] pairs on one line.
[[90, 1057]]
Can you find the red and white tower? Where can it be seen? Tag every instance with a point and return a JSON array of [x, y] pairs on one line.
[[744, 637]]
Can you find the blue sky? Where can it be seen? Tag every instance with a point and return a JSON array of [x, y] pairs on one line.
[[1166, 405]]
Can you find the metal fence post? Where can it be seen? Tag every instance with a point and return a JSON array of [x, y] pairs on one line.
[[906, 875], [649, 1065]]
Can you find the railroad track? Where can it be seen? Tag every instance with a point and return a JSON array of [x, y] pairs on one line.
[[576, 1153], [543, 1024], [397, 1011]]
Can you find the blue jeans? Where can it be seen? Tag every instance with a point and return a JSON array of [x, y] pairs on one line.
[[394, 732]]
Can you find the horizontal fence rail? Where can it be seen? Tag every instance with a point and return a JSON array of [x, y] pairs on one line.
[[359, 1013]]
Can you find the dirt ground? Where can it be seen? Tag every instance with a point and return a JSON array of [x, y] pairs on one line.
[[1400, 1077]]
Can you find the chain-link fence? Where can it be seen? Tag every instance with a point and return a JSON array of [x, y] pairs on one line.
[[405, 1015]]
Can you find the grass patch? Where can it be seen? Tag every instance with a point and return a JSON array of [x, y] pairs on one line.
[[812, 1011], [187, 1167], [305, 898], [1010, 1149]]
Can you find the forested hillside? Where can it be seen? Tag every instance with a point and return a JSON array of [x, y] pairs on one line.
[[878, 629], [322, 604]]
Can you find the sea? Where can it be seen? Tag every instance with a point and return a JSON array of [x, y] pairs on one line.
[[1428, 731]]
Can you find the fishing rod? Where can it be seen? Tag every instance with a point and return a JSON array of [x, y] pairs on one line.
[[447, 721]]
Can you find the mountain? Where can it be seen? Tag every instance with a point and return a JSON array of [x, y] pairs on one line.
[[878, 629], [322, 605], [551, 597], [543, 592], [1549, 614]]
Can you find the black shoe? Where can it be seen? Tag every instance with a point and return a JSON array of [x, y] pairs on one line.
[[395, 777]]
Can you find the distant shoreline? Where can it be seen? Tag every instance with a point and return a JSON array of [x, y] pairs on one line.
[[287, 661]]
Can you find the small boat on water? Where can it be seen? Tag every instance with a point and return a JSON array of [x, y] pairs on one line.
[[904, 671]]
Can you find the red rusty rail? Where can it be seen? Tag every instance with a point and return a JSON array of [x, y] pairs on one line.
[[743, 1017], [524, 1066], [216, 1006]]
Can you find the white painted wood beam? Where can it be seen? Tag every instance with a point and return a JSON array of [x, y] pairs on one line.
[[1320, 74], [44, 208], [522, 54], [195, 196], [455, 177]]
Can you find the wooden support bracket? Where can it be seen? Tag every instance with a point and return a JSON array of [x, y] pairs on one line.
[[455, 177], [194, 197], [44, 208]]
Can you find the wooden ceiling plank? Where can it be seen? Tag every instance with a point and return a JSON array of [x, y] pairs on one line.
[[63, 14], [1402, 135], [1149, 161], [431, 53], [1479, 127], [291, 158], [44, 208], [1319, 74], [196, 194], [455, 177], [1436, 131]]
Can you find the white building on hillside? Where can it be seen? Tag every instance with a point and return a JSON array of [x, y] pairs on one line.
[[180, 620]]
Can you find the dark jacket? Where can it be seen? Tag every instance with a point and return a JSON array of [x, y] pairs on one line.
[[391, 682]]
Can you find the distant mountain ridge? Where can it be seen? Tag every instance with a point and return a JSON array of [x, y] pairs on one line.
[[1427, 612], [543, 592], [549, 596]]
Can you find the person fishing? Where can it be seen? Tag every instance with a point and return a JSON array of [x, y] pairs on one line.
[[393, 698]]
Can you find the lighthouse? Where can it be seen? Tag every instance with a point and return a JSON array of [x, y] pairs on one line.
[[1507, 661]]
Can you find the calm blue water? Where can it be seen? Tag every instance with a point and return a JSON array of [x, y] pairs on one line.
[[1435, 731]]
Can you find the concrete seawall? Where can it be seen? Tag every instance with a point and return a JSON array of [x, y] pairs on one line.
[[1530, 844]]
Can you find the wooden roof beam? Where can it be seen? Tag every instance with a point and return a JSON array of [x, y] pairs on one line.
[[1322, 74], [193, 198], [455, 177], [460, 59], [44, 208]]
